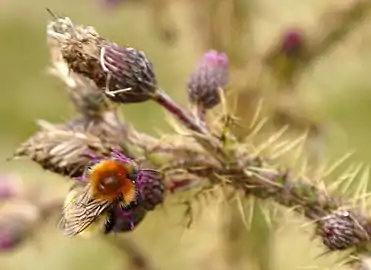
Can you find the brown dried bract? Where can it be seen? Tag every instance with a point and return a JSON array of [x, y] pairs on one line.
[[80, 47], [63, 149]]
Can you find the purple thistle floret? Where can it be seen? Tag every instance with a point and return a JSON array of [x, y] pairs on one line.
[[210, 75], [116, 153]]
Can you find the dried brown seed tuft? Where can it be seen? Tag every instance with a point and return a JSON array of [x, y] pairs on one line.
[[64, 149]]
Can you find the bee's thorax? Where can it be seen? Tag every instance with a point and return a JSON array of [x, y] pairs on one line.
[[110, 180]]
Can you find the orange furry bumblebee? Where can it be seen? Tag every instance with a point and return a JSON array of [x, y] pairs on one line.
[[109, 184]]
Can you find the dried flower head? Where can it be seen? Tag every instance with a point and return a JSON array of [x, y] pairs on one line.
[[88, 99], [80, 47], [131, 75], [210, 76], [123, 73], [63, 148]]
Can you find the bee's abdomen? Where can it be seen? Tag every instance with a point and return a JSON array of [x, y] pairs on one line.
[[125, 220]]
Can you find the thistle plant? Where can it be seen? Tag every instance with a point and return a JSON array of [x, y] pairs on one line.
[[141, 171]]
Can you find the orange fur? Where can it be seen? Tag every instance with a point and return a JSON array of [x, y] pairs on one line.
[[121, 184]]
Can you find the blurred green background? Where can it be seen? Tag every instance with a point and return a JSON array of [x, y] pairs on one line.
[[337, 87]]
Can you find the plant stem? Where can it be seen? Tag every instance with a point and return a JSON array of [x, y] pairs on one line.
[[185, 118]]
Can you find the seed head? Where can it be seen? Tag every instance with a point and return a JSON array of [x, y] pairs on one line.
[[210, 75], [130, 74]]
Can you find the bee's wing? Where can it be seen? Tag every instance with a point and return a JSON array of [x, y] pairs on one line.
[[80, 210]]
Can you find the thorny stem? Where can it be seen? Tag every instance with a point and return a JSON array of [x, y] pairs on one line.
[[165, 101]]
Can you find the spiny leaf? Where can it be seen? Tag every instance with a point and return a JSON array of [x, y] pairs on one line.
[[271, 140], [285, 147], [338, 163]]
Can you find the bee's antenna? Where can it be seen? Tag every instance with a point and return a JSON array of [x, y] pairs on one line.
[[52, 13]]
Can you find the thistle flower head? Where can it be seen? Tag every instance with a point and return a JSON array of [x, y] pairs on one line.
[[210, 75], [292, 41], [151, 188], [131, 77], [341, 230]]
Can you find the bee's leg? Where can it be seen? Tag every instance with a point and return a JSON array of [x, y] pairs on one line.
[[129, 216], [80, 178], [131, 220], [110, 222]]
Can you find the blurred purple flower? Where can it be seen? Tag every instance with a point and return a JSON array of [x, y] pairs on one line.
[[17, 221], [110, 4], [292, 41], [14, 229]]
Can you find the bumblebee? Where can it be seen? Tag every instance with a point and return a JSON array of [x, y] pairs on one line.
[[110, 197]]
